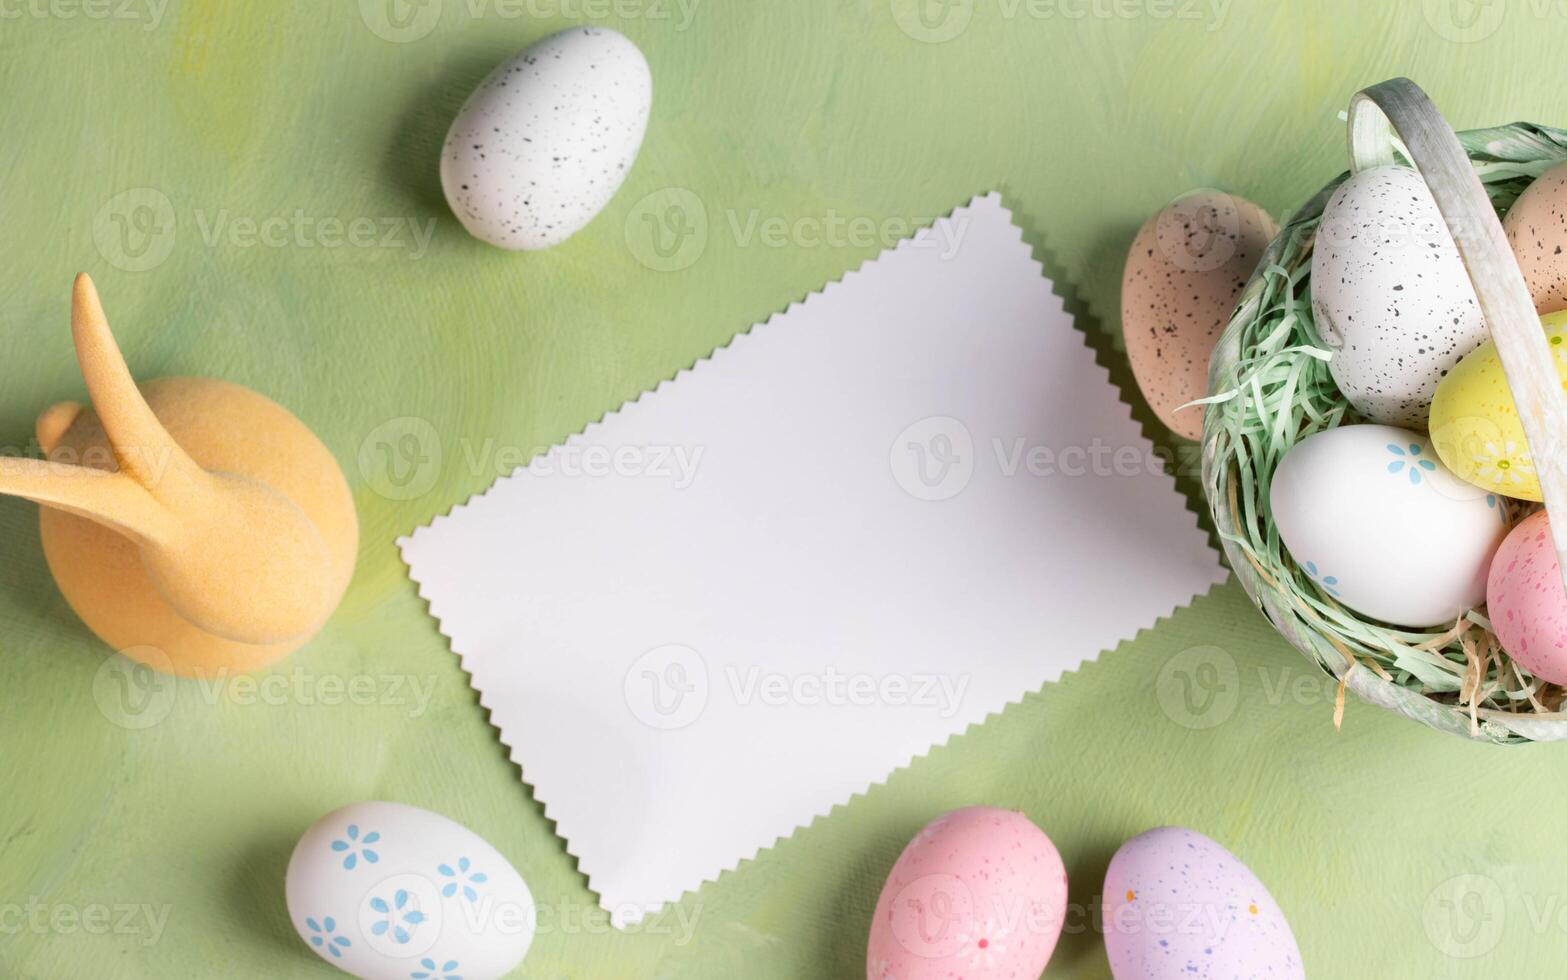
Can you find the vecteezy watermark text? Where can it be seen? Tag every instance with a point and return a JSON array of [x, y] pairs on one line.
[[405, 21], [936, 21], [137, 229], [671, 686], [403, 458], [147, 13], [41, 918], [669, 230], [136, 690], [935, 458]]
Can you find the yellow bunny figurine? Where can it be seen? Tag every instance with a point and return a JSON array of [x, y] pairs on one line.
[[191, 516]]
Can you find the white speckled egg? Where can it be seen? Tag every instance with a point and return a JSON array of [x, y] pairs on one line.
[[544, 142], [1178, 905], [388, 891], [1375, 520], [1390, 295]]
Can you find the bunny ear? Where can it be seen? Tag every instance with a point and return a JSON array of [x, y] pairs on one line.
[[155, 473], [111, 499], [144, 449]]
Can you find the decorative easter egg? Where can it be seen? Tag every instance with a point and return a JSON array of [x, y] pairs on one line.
[[1475, 425], [1178, 905], [1380, 525], [1184, 272], [980, 893], [1536, 228], [1390, 295], [544, 142], [388, 891], [1527, 602]]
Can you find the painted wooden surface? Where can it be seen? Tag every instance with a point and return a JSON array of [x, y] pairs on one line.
[[254, 189]]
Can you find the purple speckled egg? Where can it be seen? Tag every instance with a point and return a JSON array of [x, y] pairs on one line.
[[1177, 904], [1527, 603], [979, 894]]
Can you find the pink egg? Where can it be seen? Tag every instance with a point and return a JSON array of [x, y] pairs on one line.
[[1178, 906], [1526, 601], [979, 894]]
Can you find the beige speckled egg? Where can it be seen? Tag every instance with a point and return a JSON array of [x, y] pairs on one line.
[[1184, 273], [1537, 230]]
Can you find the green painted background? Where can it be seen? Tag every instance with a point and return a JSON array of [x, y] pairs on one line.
[[142, 145]]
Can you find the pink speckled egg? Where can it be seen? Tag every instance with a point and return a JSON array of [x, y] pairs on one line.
[[1177, 904], [979, 894], [1527, 603]]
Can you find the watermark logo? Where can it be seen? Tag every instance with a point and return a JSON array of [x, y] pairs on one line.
[[401, 916], [671, 687], [401, 458], [1465, 916], [1465, 21], [224, 229], [932, 915], [937, 21], [933, 459], [1199, 232], [839, 689], [676, 921], [405, 21], [667, 230], [401, 21], [676, 465], [936, 458], [933, 21], [135, 230], [1199, 688], [667, 687], [132, 693], [134, 689]]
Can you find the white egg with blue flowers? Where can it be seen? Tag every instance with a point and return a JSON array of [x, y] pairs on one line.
[[1373, 518], [388, 891]]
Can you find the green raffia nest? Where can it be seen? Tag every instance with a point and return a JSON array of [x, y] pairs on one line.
[[1272, 388]]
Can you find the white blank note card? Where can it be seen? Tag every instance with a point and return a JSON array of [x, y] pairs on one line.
[[864, 525]]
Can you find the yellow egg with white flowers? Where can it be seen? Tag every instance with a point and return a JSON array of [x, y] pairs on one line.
[[1475, 426]]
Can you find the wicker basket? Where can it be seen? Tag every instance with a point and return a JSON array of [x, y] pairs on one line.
[[1265, 368]]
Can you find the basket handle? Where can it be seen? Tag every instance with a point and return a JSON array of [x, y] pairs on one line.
[[1400, 105]]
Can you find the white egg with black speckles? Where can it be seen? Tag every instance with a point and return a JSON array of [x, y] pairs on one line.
[[545, 141], [1390, 295]]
